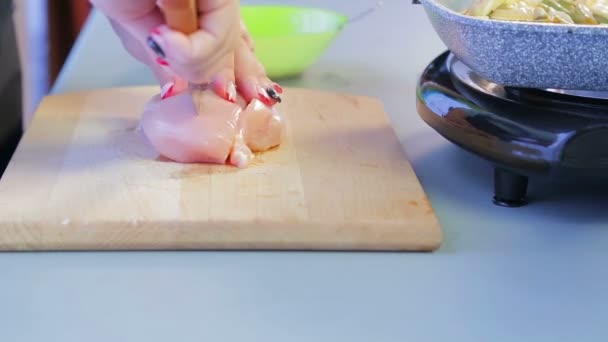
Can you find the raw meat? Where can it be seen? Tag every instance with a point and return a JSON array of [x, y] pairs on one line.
[[197, 126], [261, 126]]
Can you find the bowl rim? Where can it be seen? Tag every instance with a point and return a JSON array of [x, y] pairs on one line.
[[514, 25], [340, 18]]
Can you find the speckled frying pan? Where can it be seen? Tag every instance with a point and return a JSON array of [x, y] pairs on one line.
[[521, 54]]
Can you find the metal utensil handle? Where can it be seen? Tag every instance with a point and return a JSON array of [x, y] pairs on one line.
[[366, 12]]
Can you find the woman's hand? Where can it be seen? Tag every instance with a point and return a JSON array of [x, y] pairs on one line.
[[243, 71], [197, 57]]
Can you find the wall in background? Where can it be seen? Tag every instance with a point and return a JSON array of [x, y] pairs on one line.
[[30, 19], [45, 39], [65, 19]]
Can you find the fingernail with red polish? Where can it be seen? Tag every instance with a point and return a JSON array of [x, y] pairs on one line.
[[155, 31], [264, 97], [166, 90], [162, 61], [278, 88], [273, 94], [152, 44], [231, 92]]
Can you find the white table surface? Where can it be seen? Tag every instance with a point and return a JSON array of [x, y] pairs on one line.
[[536, 273]]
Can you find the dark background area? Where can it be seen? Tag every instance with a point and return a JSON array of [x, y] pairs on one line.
[[66, 18]]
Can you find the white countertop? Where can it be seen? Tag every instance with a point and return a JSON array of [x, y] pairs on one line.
[[532, 273]]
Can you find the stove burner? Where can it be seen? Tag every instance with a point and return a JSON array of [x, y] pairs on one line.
[[554, 134], [460, 72], [557, 99], [464, 74]]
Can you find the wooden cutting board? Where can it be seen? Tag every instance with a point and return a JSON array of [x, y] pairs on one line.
[[85, 178]]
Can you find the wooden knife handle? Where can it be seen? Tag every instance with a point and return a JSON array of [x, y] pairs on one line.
[[180, 15]]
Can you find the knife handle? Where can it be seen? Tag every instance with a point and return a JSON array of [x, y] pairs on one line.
[[180, 15]]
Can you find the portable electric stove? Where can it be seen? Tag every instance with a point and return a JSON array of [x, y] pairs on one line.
[[559, 135]]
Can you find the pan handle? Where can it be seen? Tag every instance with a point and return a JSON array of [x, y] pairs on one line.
[[366, 12]]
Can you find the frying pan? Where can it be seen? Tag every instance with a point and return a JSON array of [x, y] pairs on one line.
[[523, 54]]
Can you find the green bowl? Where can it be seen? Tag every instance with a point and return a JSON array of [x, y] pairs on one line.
[[290, 39]]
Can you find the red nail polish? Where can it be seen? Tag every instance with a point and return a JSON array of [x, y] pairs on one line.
[[167, 91], [265, 98], [219, 91], [231, 92], [228, 93], [266, 101], [161, 61], [155, 31], [227, 97], [278, 88]]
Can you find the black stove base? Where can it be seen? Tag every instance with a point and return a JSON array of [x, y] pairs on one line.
[[523, 133], [509, 189]]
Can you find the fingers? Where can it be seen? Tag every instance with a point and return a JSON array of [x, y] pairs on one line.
[[141, 53], [199, 56], [176, 86], [135, 17], [223, 83], [221, 52], [219, 27], [251, 80], [196, 58], [130, 43], [181, 53], [123, 11], [180, 15], [245, 36], [132, 22]]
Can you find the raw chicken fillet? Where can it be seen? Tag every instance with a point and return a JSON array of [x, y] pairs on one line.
[[197, 126]]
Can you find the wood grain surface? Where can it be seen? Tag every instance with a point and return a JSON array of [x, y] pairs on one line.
[[85, 178]]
